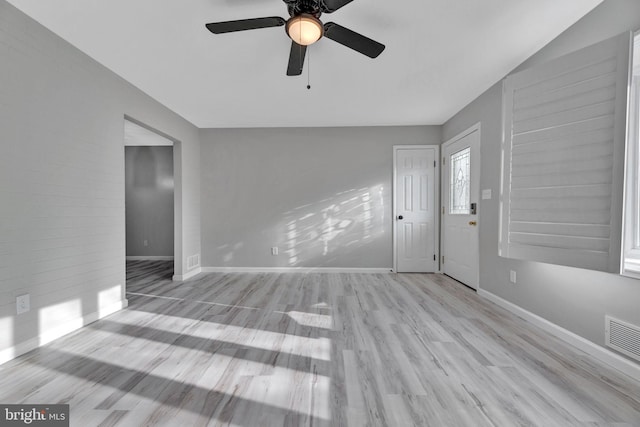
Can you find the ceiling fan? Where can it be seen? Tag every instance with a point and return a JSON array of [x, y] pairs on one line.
[[304, 28]]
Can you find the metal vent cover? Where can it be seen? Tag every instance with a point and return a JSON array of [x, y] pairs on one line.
[[193, 261], [623, 337]]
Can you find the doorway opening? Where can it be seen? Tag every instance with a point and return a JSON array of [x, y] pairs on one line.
[[149, 199]]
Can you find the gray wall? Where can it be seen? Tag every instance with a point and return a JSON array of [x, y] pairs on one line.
[[149, 200], [62, 209], [322, 196], [574, 299]]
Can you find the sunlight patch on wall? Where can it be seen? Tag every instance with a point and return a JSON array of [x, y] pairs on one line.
[[66, 316], [6, 338], [107, 298], [230, 251], [350, 218], [166, 183]]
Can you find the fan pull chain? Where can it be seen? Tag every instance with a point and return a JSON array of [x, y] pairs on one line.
[[309, 69]]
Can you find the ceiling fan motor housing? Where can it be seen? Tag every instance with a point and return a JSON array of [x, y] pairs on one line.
[[309, 7]]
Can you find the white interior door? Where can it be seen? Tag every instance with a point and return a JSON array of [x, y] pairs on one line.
[[415, 206], [461, 188]]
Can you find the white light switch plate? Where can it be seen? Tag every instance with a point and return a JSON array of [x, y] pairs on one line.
[[486, 194]]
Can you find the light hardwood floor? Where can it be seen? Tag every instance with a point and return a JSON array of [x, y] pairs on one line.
[[316, 349]]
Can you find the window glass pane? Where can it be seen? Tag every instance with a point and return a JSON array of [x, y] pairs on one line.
[[460, 181]]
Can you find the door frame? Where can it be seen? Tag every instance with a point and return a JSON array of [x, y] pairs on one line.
[[476, 127], [436, 202], [177, 192]]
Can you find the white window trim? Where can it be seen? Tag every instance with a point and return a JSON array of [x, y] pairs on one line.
[[631, 241]]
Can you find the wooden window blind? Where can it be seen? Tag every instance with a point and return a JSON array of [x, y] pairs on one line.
[[563, 158]]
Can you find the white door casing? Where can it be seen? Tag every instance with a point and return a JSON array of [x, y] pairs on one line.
[[415, 221], [460, 197]]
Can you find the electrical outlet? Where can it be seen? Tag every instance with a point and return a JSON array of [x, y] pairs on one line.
[[22, 304], [274, 250], [146, 242], [512, 276]]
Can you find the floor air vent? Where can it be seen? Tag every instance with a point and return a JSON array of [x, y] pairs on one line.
[[193, 261], [623, 337]]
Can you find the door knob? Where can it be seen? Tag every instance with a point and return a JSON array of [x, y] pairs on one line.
[[472, 223], [400, 217]]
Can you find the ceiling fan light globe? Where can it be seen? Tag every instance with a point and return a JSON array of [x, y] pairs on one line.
[[304, 29]]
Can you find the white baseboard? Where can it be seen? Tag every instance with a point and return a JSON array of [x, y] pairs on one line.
[[294, 270], [603, 354], [149, 258], [58, 332], [188, 275]]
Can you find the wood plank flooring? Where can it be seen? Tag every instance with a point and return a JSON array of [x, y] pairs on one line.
[[316, 349]]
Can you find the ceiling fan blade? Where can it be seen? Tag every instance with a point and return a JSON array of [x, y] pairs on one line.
[[245, 24], [296, 59], [352, 40], [329, 6]]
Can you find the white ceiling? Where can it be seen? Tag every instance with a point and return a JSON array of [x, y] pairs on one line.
[[440, 55]]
